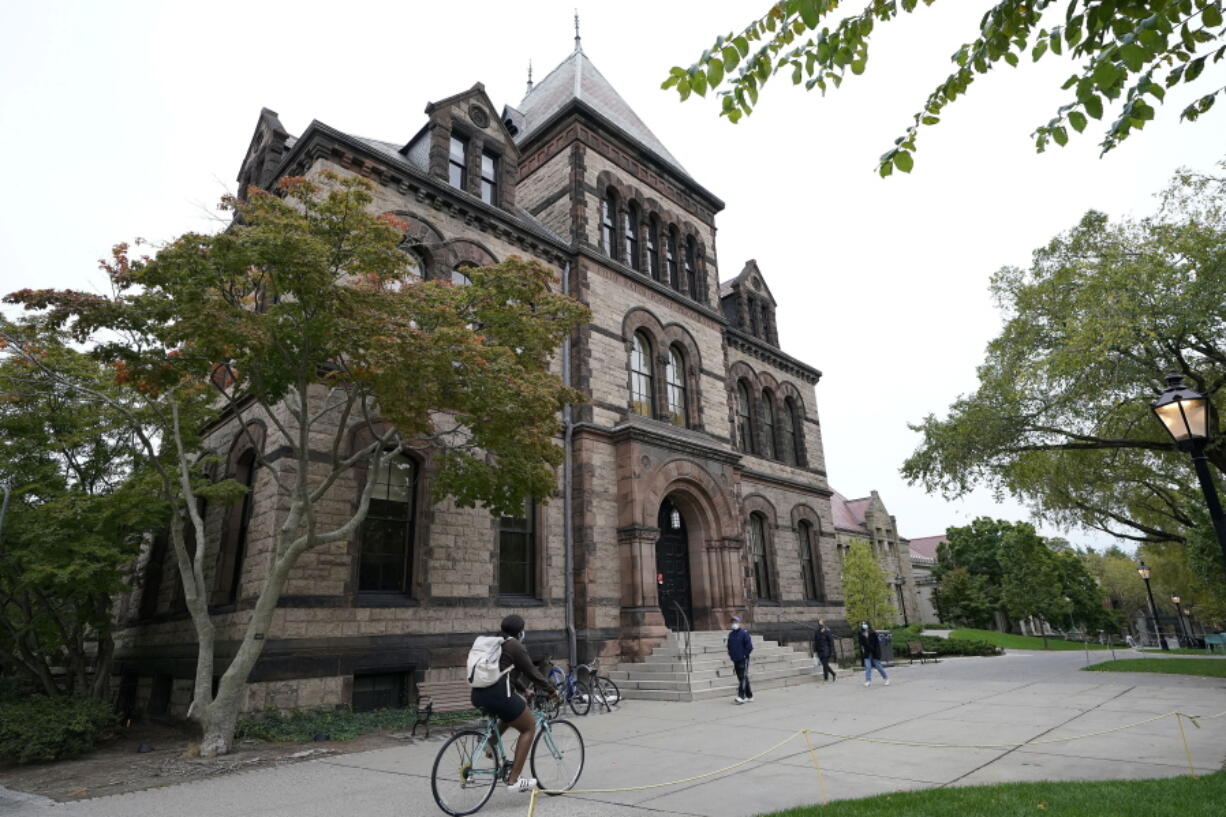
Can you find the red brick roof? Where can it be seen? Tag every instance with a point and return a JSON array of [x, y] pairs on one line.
[[849, 513], [926, 546]]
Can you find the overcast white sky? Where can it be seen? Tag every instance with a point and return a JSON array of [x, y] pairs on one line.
[[127, 119]]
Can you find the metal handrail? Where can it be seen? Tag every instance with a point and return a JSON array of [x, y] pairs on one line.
[[689, 664]]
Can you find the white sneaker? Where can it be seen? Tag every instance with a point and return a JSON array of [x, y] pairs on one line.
[[887, 681], [523, 785], [749, 700], [868, 683], [739, 699]]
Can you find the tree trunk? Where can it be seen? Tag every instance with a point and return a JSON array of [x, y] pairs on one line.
[[218, 725]]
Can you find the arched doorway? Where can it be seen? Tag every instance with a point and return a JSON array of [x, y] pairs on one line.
[[673, 567]]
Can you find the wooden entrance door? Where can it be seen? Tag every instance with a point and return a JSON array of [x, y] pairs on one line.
[[673, 568]]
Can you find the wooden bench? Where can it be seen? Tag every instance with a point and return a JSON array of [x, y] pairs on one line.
[[1212, 640], [916, 649], [440, 696]]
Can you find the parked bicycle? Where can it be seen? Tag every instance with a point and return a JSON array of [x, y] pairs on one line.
[[581, 686], [472, 762], [604, 691]]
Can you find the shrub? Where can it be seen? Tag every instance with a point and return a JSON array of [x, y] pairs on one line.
[[41, 728], [941, 646], [299, 725]]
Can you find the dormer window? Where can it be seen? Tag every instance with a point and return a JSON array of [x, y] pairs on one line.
[[457, 162], [489, 178]]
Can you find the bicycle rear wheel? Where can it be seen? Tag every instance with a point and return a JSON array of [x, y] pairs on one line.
[[580, 699], [463, 778], [605, 690], [557, 757]]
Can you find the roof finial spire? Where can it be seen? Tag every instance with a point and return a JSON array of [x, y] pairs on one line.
[[577, 46], [529, 75]]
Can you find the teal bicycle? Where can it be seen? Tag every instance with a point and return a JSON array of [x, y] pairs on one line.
[[472, 762]]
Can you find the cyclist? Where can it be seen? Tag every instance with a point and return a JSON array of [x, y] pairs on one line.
[[505, 699]]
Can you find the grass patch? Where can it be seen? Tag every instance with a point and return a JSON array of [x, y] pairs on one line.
[[1169, 797], [299, 725], [1184, 651], [1210, 667], [1023, 642]]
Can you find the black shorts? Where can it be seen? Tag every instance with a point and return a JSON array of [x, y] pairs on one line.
[[499, 700]]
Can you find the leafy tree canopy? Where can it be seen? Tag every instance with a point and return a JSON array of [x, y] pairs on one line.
[[866, 588], [1061, 416], [1131, 52]]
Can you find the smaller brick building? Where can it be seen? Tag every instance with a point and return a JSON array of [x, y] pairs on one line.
[[867, 519]]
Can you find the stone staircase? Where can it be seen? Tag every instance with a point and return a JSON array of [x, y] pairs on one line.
[[663, 676]]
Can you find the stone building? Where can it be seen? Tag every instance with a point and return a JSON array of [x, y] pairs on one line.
[[698, 487], [867, 519], [923, 559]]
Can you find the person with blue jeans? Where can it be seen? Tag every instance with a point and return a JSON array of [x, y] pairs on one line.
[[870, 650], [740, 645]]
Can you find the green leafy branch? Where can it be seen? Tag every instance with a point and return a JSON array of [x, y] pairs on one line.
[[1134, 51]]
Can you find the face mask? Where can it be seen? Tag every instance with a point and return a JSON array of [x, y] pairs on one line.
[[864, 627], [736, 625]]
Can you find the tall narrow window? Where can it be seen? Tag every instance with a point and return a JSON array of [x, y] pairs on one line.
[[691, 267], [744, 420], [489, 178], [757, 556], [768, 426], [792, 439], [517, 553], [674, 378], [753, 317], [670, 258], [810, 563], [457, 162], [386, 540], [653, 248], [630, 235], [608, 211], [158, 565], [642, 378], [234, 535]]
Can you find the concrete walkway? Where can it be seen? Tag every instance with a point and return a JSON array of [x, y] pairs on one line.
[[1016, 698]]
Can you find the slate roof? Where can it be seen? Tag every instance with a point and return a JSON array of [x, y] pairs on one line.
[[926, 546], [849, 513], [577, 78]]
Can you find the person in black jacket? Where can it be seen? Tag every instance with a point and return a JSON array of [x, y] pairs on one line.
[[740, 645], [823, 648], [870, 649]]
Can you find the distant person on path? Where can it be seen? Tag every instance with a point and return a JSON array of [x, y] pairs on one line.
[[740, 645], [870, 648], [823, 648]]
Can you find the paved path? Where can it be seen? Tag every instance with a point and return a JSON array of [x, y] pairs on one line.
[[1016, 698]]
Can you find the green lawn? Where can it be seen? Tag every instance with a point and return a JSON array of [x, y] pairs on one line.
[[1171, 666], [1022, 642], [1169, 797], [1185, 651]]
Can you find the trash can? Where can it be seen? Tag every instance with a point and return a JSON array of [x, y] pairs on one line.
[[886, 638]]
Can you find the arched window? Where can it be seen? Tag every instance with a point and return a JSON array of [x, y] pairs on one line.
[[386, 539], [810, 563], [691, 267], [670, 258], [674, 378], [608, 211], [653, 248], [233, 547], [763, 589], [630, 235], [642, 379], [792, 438], [768, 426], [459, 275], [517, 553], [744, 420]]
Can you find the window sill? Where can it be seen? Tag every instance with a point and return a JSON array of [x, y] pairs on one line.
[[518, 601], [372, 599]]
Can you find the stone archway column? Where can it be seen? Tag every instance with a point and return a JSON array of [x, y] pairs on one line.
[[642, 623], [733, 574]]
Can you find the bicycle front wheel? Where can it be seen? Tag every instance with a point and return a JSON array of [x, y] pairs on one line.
[[463, 778], [607, 691], [557, 757], [580, 699]]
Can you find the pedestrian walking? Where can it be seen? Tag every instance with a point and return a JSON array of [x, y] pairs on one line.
[[870, 649], [740, 645], [823, 648]]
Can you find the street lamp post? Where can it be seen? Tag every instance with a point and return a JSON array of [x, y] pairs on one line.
[[902, 602], [1186, 639], [1184, 413], [1143, 569]]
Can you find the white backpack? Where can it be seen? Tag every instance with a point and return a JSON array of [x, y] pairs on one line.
[[483, 658]]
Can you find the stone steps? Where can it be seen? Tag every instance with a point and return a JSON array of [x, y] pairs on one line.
[[664, 676]]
